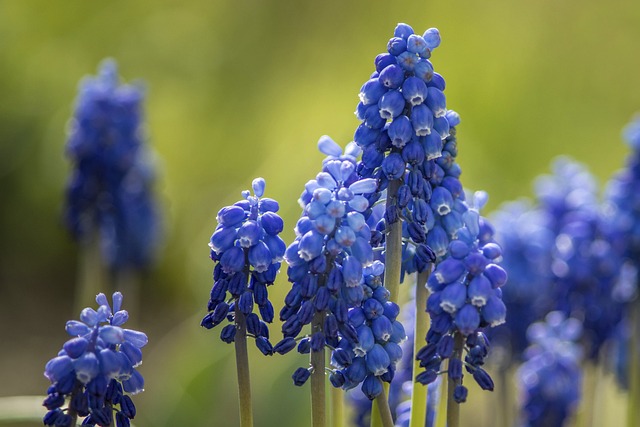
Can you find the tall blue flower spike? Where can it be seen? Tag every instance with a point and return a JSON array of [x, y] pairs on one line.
[[551, 377], [585, 261], [405, 127], [110, 190], [247, 251], [95, 372], [466, 297]]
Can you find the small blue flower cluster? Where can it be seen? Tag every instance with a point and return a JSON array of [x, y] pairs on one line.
[[247, 249], [109, 193], [372, 358], [465, 296], [551, 377], [96, 368]]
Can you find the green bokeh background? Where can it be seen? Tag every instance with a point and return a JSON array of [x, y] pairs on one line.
[[239, 89]]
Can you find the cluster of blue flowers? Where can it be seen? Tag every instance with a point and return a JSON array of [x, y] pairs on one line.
[[465, 296], [374, 356], [334, 276], [109, 193], [404, 122], [247, 251], [551, 376], [96, 369]]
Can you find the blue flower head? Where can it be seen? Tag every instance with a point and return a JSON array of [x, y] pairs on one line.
[[466, 297], [95, 372], [109, 193], [247, 250]]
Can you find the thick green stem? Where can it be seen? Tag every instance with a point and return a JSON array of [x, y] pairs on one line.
[[384, 411], [441, 412], [393, 246], [242, 365], [453, 407], [633, 404], [337, 407], [318, 404], [421, 327]]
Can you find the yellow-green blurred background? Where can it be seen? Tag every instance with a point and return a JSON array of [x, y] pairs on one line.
[[239, 89]]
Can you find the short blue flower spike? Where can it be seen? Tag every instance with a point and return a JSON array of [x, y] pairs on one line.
[[96, 369], [248, 251]]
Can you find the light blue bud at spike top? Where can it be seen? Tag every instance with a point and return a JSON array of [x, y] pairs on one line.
[[100, 359], [109, 193], [247, 250]]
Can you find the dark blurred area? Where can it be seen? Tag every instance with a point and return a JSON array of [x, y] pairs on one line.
[[239, 89]]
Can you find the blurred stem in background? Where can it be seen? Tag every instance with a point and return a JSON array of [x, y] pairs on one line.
[[337, 407], [92, 274], [633, 404]]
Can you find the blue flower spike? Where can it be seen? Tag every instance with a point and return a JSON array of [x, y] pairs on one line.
[[95, 372]]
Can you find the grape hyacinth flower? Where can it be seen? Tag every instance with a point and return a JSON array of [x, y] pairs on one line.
[[403, 113], [247, 251], [95, 372], [327, 260], [109, 194], [551, 377], [465, 298]]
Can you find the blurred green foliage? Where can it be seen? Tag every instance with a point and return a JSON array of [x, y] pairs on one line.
[[239, 89]]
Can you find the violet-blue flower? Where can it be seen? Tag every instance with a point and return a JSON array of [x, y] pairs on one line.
[[95, 372]]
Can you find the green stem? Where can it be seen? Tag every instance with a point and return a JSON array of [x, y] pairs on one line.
[[393, 244], [441, 417], [453, 407], [421, 327], [242, 365], [504, 392], [337, 407], [392, 271], [384, 411], [92, 274], [128, 283], [633, 406], [318, 404]]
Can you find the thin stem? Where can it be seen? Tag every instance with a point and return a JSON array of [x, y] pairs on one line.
[[92, 275], [384, 411], [633, 417], [421, 326], [441, 417], [337, 407], [504, 392], [127, 281], [453, 407], [318, 404], [393, 244], [242, 365]]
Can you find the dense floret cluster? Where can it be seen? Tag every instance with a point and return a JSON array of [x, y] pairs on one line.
[[465, 296], [96, 370], [247, 251]]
